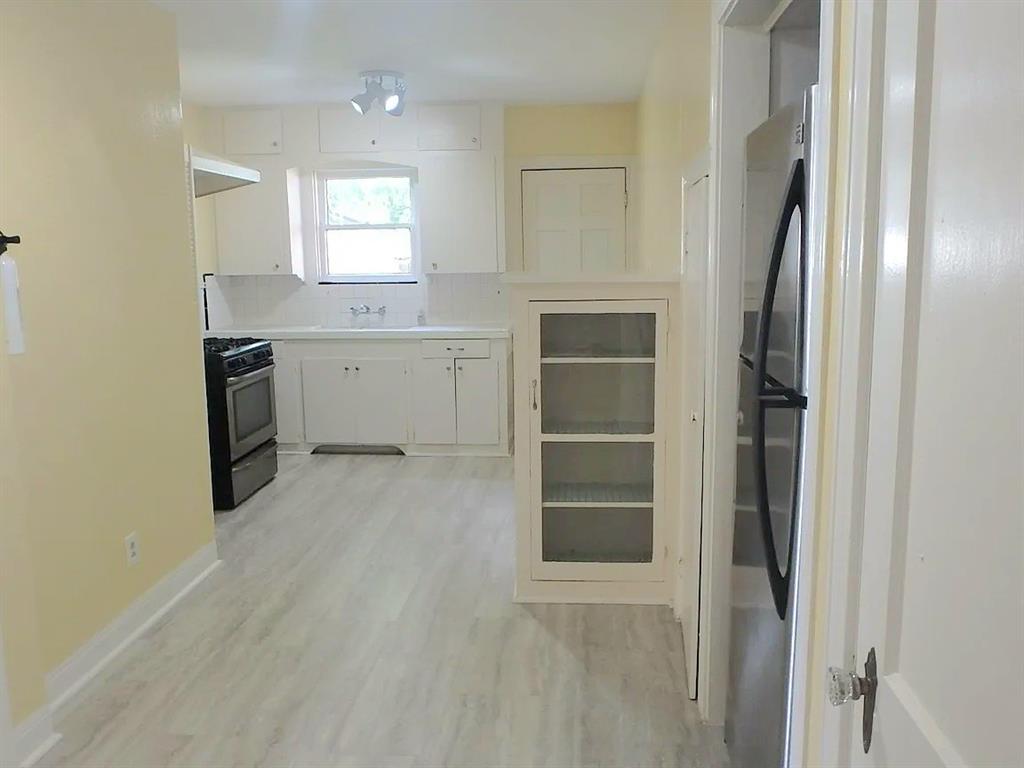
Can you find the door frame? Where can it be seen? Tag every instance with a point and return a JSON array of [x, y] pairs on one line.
[[740, 56], [686, 587], [852, 314]]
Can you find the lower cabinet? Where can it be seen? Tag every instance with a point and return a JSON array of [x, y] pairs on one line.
[[456, 401], [348, 400], [476, 401], [433, 405]]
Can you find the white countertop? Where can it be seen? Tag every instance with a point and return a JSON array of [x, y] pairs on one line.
[[480, 331]]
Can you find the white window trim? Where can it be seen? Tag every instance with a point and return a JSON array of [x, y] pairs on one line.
[[320, 179]]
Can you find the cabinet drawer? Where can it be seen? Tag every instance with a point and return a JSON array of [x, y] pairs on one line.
[[455, 348]]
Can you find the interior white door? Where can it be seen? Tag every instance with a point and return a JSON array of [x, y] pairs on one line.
[[695, 241], [433, 409], [939, 593], [574, 220], [382, 409], [476, 398], [328, 405]]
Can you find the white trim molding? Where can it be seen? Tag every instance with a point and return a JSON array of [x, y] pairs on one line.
[[32, 738], [66, 680]]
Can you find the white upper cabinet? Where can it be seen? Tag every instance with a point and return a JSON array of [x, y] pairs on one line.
[[342, 129], [449, 126], [458, 214], [252, 132]]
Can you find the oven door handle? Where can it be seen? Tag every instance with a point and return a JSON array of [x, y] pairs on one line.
[[233, 381]]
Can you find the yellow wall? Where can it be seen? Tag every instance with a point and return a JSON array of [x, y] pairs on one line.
[[200, 129], [93, 181], [22, 658], [673, 123], [570, 129]]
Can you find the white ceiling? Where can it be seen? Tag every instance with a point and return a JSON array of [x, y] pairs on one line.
[[291, 51]]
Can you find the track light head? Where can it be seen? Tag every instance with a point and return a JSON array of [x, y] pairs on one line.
[[394, 104], [392, 99], [362, 102]]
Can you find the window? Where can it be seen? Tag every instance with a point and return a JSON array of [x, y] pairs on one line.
[[365, 226]]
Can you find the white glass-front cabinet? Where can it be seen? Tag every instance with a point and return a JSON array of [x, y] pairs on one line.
[[597, 440]]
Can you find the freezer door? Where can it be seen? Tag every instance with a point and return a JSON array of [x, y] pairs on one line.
[[772, 151]]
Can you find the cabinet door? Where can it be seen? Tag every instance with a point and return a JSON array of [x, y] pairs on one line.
[[329, 408], [476, 397], [342, 129], [250, 221], [458, 214], [288, 396], [433, 418], [449, 126], [381, 402], [252, 132]]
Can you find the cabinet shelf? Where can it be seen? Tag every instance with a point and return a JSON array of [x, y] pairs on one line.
[[598, 430], [555, 359], [597, 495]]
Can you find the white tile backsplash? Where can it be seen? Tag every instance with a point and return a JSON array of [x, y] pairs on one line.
[[241, 301]]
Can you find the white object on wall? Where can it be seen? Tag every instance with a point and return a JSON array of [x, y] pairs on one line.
[[12, 306], [574, 220]]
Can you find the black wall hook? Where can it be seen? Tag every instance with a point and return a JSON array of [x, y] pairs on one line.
[[6, 240]]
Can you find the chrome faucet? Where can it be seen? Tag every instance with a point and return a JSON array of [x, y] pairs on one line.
[[364, 309]]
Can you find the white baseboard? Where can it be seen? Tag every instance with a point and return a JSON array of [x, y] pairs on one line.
[[33, 737], [66, 680]]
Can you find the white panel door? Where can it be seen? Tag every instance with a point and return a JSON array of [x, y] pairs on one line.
[[449, 126], [458, 213], [433, 398], [574, 221], [342, 129], [476, 397], [695, 240], [252, 132], [328, 402], [381, 402], [939, 591]]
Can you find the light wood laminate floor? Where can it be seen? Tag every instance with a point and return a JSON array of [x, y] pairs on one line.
[[363, 616]]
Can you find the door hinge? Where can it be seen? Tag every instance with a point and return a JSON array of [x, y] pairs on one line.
[[625, 199], [798, 138]]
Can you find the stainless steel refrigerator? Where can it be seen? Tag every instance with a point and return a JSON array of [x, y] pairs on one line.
[[770, 429]]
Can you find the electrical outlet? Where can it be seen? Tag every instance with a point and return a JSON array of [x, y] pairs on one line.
[[131, 548]]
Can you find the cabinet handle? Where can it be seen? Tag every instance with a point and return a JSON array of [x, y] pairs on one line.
[[534, 386], [447, 367], [460, 367]]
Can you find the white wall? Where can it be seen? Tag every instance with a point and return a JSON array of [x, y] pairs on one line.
[[241, 302]]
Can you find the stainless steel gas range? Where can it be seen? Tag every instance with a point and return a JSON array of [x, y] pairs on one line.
[[241, 417]]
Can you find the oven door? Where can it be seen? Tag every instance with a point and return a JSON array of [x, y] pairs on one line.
[[252, 417]]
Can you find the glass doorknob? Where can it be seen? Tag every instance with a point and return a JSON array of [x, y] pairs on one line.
[[845, 686]]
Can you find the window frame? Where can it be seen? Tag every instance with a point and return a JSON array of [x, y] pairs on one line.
[[324, 275]]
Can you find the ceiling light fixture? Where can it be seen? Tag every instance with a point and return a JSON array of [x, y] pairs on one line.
[[375, 82]]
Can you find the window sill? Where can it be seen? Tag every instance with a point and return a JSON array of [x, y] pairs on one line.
[[369, 281]]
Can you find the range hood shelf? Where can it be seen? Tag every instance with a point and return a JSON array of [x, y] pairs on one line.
[[212, 174]]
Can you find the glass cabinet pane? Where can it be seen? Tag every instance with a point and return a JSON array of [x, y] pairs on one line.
[[601, 535], [605, 398], [606, 473], [620, 334]]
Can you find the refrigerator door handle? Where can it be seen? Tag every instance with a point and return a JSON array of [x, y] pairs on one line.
[[771, 395]]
